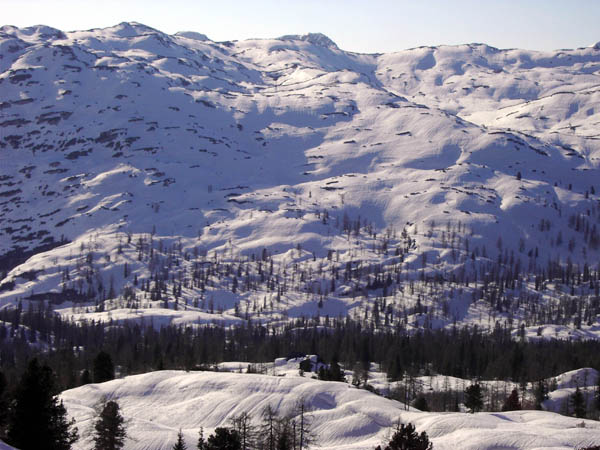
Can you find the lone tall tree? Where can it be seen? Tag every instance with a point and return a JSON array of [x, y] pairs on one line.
[[474, 398], [38, 419], [512, 403], [578, 401], [180, 444], [109, 428]]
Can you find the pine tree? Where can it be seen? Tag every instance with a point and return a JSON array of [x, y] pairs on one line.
[[36, 408], [110, 430], [474, 398], [104, 369], [202, 444], [512, 403], [180, 444], [578, 401]]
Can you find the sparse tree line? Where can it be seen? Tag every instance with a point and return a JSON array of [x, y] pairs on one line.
[[515, 282]]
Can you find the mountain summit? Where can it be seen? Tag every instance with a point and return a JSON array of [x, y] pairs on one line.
[[314, 38], [188, 180]]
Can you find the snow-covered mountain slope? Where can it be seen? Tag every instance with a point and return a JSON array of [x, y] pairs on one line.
[[343, 417], [130, 157]]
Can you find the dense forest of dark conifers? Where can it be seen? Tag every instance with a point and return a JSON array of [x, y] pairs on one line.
[[70, 348]]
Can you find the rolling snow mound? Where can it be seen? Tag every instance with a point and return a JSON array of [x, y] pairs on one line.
[[343, 417]]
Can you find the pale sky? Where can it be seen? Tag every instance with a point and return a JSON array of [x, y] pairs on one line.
[[371, 26]]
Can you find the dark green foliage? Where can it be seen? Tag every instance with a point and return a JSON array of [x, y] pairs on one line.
[[578, 402], [180, 444], [224, 439], [512, 403], [474, 398], [104, 369], [109, 429], [38, 419], [421, 403], [406, 438]]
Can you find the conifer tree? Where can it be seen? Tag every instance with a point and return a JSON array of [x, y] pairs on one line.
[[110, 430], [512, 403], [474, 398], [202, 444], [38, 420], [180, 444], [578, 401]]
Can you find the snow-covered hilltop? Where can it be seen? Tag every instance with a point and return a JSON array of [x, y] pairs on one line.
[[342, 417], [287, 177]]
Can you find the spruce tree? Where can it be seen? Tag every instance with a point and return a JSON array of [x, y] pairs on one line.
[[109, 428], [578, 401], [38, 420], [180, 444], [512, 403], [202, 444], [474, 398]]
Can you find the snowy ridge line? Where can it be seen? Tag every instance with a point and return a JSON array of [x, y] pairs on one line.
[[386, 187]]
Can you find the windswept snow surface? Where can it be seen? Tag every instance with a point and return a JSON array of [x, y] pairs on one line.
[[122, 142], [343, 417]]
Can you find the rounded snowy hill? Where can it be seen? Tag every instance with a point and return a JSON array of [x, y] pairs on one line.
[[438, 163], [156, 405]]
